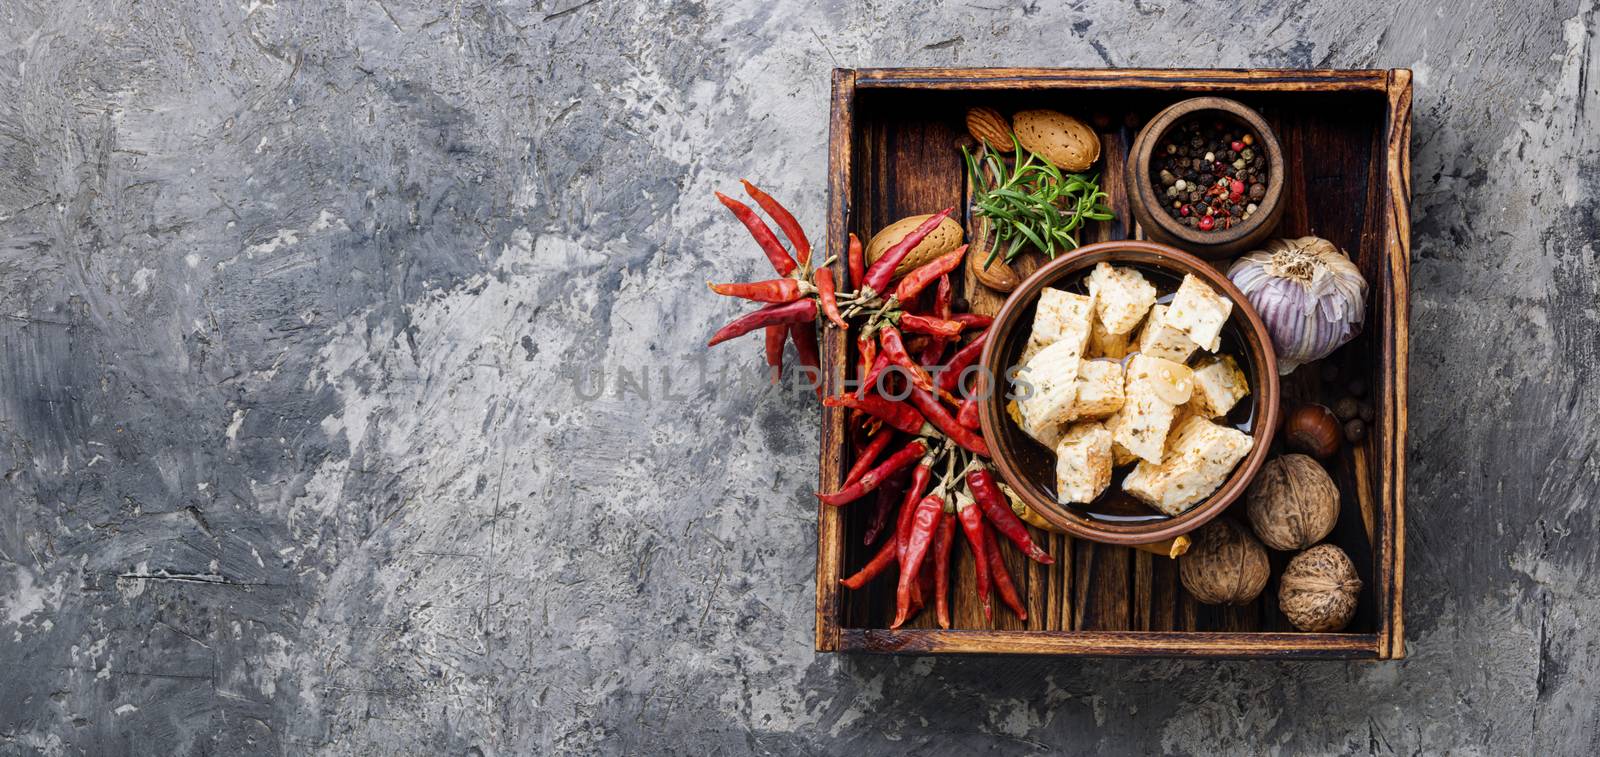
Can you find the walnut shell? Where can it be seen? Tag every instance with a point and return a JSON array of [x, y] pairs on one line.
[[1225, 565], [1069, 144], [1292, 503], [945, 237], [988, 126], [1318, 590]]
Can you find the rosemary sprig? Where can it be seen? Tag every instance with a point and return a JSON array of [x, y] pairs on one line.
[[1029, 201]]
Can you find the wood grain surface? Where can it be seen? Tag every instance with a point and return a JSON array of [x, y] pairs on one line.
[[895, 151]]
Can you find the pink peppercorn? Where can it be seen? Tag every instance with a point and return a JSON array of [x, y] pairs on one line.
[[1206, 223]]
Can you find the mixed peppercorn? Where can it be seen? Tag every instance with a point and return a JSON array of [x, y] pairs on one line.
[[918, 444], [1209, 177]]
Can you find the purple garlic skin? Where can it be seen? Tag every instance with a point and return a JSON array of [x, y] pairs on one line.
[[1311, 297]]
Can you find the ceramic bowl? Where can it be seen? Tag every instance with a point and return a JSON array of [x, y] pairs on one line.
[[1149, 207], [1029, 467]]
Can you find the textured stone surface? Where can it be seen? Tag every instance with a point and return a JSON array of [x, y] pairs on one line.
[[291, 298]]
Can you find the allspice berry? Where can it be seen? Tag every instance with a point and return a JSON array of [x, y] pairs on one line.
[[1293, 503], [1318, 590], [1225, 565]]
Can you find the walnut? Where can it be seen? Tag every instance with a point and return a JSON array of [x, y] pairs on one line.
[[1292, 503], [1225, 566], [1319, 588]]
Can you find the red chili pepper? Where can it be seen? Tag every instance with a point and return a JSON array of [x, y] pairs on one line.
[[941, 577], [879, 563], [881, 272], [897, 414], [867, 349], [889, 494], [880, 363], [804, 334], [830, 305], [998, 511], [964, 357], [1002, 578], [869, 455], [784, 219], [781, 261], [897, 462], [971, 519], [968, 414], [972, 320], [889, 338], [923, 590], [775, 339], [771, 290], [914, 282], [799, 311], [941, 419], [857, 261], [923, 523], [922, 324], [942, 295], [914, 494]]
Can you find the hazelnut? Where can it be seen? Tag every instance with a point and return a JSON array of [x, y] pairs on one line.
[[1225, 565], [1319, 589], [1292, 503], [1314, 430]]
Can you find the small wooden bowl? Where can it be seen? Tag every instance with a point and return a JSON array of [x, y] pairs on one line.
[[1030, 468], [1149, 207]]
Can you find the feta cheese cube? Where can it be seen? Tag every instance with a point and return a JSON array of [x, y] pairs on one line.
[[1047, 387], [1120, 455], [1062, 316], [1218, 386], [1103, 343], [1122, 296], [1153, 390], [1199, 312], [1161, 340], [1083, 463], [1100, 389], [1201, 456]]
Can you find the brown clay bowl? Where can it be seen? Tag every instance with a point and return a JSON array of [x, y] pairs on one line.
[[1147, 204], [1029, 467]]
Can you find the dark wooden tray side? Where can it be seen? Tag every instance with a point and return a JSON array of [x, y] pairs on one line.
[[893, 151]]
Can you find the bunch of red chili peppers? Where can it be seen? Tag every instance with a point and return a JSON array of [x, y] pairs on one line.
[[906, 400]]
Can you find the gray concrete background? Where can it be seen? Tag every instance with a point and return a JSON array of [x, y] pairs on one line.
[[289, 293]]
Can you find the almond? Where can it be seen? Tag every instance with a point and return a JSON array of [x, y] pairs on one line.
[[945, 237], [988, 126], [1069, 144], [998, 275]]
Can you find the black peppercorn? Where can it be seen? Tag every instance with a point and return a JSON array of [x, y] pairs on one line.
[[1346, 408], [1367, 412], [1357, 388], [1355, 430]]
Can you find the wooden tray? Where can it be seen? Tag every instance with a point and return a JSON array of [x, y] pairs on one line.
[[894, 151]]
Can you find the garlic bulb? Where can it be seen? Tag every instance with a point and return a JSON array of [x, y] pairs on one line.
[[1310, 296]]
